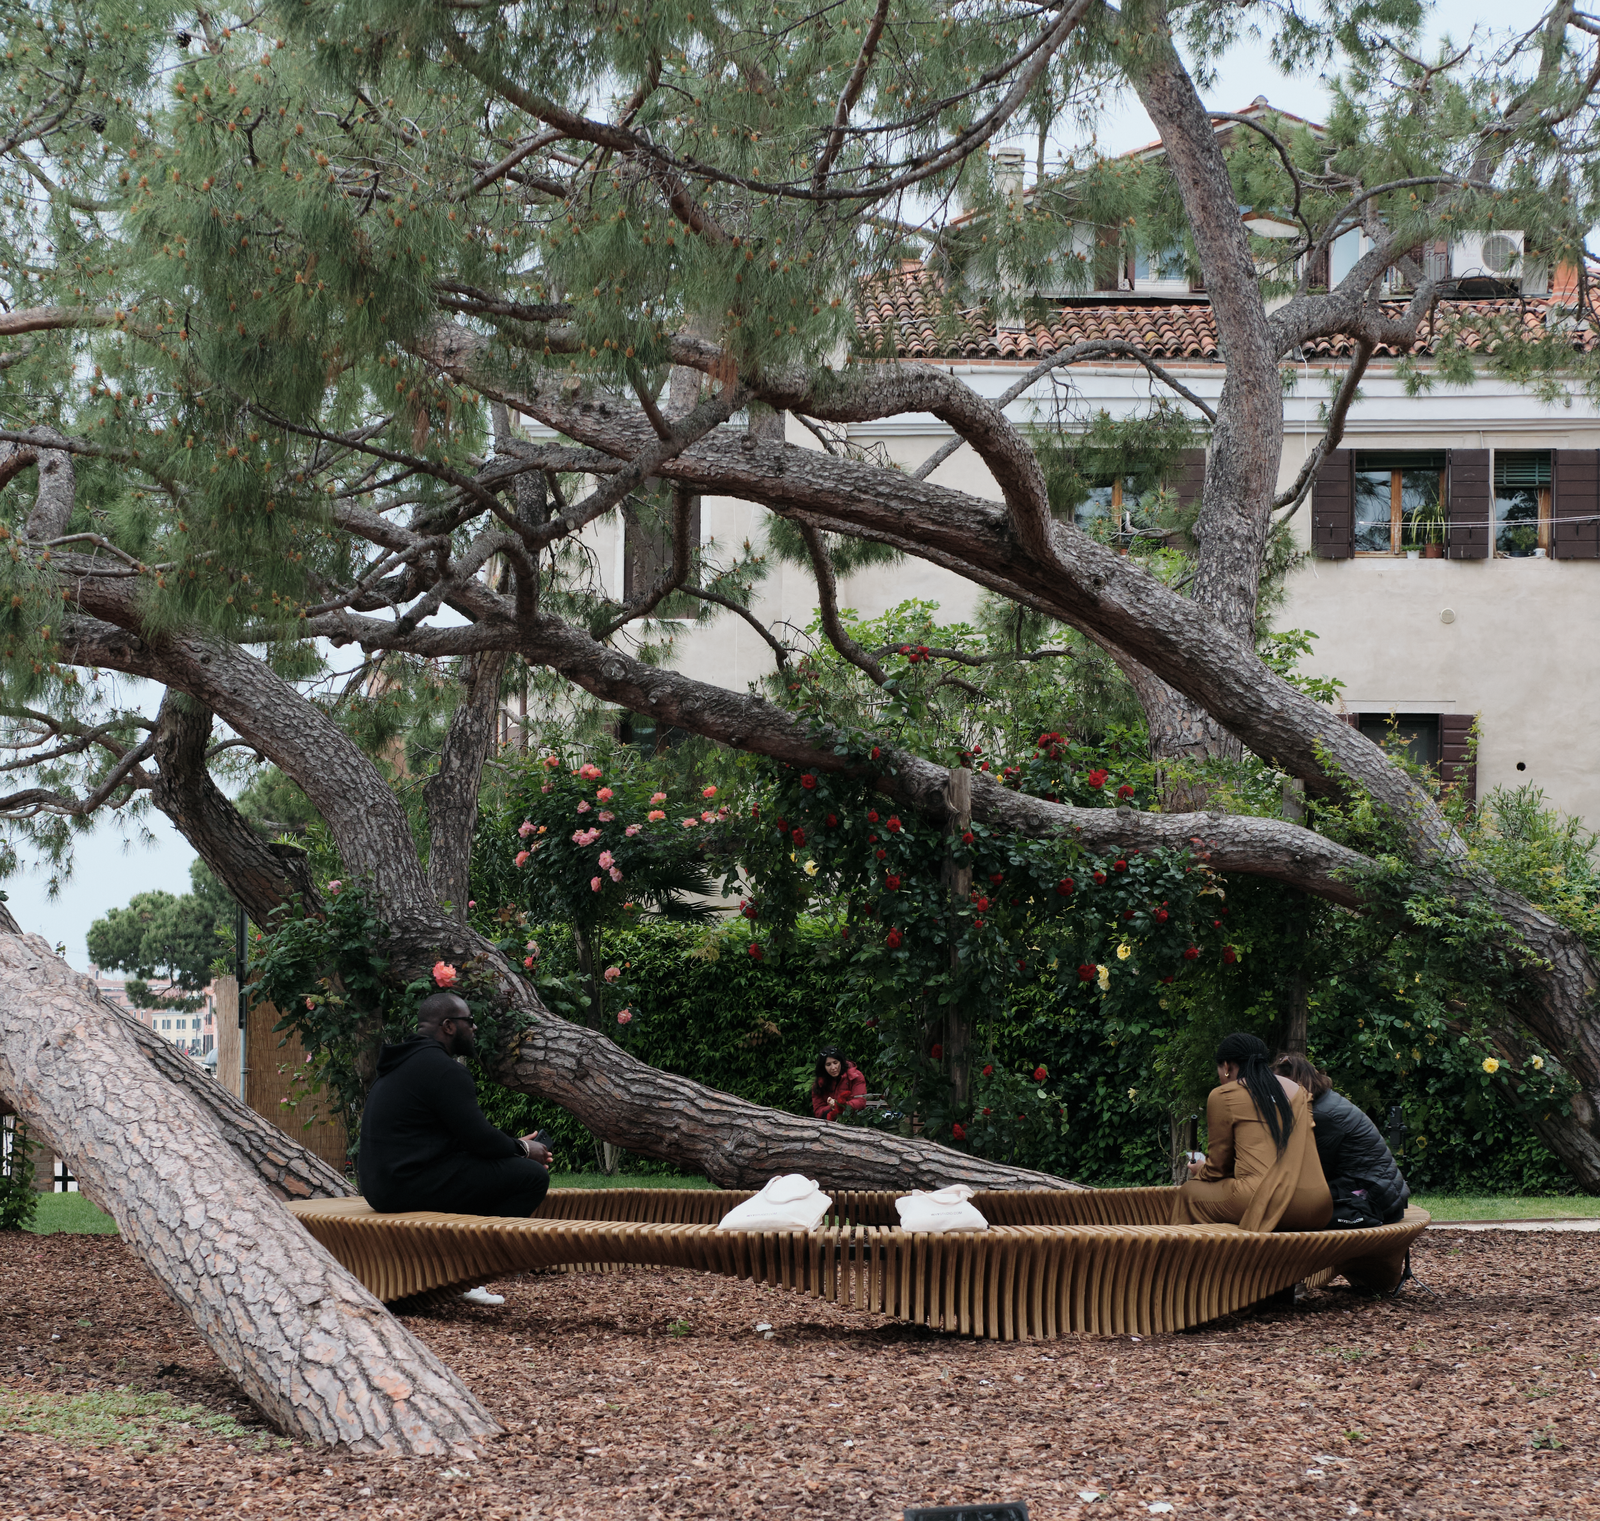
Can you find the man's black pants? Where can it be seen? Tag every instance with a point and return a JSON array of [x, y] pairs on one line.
[[511, 1187]]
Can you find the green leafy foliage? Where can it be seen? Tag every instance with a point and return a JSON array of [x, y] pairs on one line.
[[163, 934], [18, 1200]]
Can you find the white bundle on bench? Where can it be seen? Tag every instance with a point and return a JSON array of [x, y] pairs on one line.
[[946, 1209], [787, 1203]]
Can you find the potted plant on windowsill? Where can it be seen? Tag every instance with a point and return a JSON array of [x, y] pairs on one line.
[[1427, 527]]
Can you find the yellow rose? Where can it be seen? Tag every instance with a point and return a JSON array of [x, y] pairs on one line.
[[1490, 1065], [1104, 979], [1133, 1093], [811, 868], [1538, 1064], [1123, 952]]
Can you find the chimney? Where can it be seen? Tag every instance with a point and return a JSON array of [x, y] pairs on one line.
[[1008, 164]]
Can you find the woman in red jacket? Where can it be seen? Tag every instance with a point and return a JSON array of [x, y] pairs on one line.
[[839, 1085]]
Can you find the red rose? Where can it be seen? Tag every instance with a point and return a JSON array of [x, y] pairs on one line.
[[983, 905], [937, 1053], [988, 1072], [872, 816], [1040, 1074], [892, 883], [832, 821], [1229, 955], [998, 878], [1119, 866], [749, 910], [1166, 979], [783, 825], [756, 953], [1192, 954], [875, 752], [1066, 887], [978, 922], [1127, 914], [958, 1131], [987, 1112], [1097, 779], [968, 838], [894, 940], [880, 853], [1124, 790], [798, 836], [808, 781], [1161, 916], [1022, 965], [1099, 878], [1086, 972], [893, 826], [755, 810]]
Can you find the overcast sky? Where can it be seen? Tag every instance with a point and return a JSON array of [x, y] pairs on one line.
[[107, 873]]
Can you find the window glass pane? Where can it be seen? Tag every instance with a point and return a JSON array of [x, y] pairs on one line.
[[1416, 735], [1521, 480], [1096, 506], [1421, 510], [1166, 265], [1372, 512], [1343, 253]]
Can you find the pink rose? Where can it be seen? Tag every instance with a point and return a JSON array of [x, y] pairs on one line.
[[445, 975], [520, 859], [548, 787], [527, 961], [690, 823], [525, 828], [595, 884], [532, 945], [707, 817], [334, 886], [656, 815], [604, 816], [552, 761], [471, 903], [311, 1003], [632, 830], [605, 794], [607, 860], [590, 772], [709, 792], [612, 973], [658, 797], [616, 873], [624, 1016], [583, 807]]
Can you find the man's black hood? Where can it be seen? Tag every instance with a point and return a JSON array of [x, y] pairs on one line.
[[391, 1058]]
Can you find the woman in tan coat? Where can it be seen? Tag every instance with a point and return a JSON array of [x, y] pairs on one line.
[[1262, 1173]]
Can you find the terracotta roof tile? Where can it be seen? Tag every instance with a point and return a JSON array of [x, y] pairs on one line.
[[906, 314]]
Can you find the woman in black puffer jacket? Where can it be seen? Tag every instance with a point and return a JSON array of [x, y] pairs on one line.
[[1349, 1145]]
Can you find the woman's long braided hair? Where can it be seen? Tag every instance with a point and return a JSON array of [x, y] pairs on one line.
[[1261, 1082]]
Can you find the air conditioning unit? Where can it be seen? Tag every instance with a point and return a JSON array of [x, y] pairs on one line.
[[1487, 256]]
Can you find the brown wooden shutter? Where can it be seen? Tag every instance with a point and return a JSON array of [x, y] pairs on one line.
[[1455, 747], [1470, 504], [1189, 480], [1574, 504], [1332, 508]]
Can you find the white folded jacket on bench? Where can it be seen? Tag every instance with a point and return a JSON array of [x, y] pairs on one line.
[[787, 1203], [946, 1209]]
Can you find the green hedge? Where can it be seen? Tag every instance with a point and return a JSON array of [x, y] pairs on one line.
[[705, 1010]]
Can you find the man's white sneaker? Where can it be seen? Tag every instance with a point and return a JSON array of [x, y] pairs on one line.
[[483, 1297]]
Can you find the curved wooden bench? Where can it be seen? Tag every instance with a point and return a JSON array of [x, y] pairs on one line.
[[1102, 1261]]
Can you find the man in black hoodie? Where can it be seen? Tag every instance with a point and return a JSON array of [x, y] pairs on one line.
[[425, 1144]]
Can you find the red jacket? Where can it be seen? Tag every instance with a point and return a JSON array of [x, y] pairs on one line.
[[850, 1087]]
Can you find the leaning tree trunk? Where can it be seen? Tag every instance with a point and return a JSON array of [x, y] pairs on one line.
[[313, 1349]]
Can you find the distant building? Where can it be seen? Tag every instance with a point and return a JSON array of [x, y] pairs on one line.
[[194, 1033]]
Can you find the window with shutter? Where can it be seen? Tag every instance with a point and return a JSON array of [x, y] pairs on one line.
[[1575, 505], [1521, 503], [1190, 480], [1398, 503], [1469, 504], [1331, 520]]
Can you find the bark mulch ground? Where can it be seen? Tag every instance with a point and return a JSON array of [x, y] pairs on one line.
[[653, 1394]]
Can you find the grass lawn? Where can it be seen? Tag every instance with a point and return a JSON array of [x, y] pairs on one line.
[[1505, 1207], [73, 1214]]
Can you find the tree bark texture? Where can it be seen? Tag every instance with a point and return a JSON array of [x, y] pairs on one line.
[[313, 1349], [451, 793]]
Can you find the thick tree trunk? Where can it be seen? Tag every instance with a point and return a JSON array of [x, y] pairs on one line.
[[313, 1349], [451, 793]]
